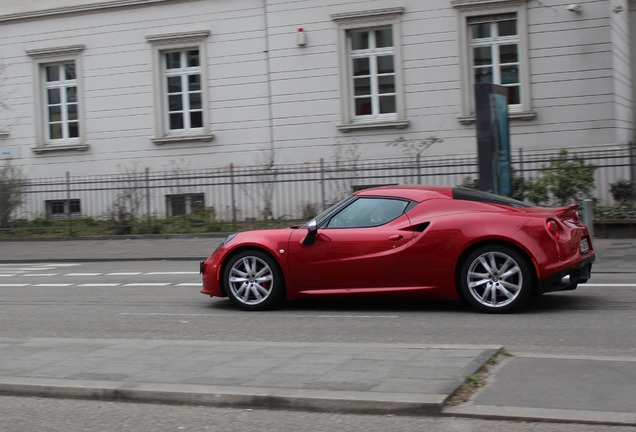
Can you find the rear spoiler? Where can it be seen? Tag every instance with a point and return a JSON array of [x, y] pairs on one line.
[[568, 212]]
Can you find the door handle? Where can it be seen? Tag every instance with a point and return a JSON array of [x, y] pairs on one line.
[[395, 237]]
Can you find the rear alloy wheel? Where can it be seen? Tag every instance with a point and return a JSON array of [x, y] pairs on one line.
[[253, 281], [495, 279]]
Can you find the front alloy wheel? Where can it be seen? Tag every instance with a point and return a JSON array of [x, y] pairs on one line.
[[253, 281], [495, 279]]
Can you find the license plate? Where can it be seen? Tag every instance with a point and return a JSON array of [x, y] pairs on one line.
[[585, 247]]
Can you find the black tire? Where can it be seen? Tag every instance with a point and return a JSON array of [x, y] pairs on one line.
[[495, 279], [253, 281]]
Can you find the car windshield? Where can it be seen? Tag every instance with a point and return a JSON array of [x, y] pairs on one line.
[[325, 214]]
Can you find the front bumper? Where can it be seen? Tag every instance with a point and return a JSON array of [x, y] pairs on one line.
[[568, 278], [209, 274]]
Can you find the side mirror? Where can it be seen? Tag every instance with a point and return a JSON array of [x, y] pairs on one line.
[[312, 230]]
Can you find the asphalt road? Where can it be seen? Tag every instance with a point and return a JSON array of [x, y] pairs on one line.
[[161, 300], [59, 415]]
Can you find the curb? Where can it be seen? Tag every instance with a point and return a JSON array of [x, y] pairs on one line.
[[486, 412], [219, 396]]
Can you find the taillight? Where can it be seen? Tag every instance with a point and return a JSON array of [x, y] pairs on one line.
[[553, 228]]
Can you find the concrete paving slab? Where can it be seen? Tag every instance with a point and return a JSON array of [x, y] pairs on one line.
[[565, 388], [378, 378]]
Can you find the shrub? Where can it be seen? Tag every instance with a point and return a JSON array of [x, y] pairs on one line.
[[13, 186], [621, 190]]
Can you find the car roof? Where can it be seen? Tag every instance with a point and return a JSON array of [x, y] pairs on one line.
[[414, 193]]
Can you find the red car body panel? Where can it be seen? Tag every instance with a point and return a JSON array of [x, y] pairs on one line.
[[416, 254]]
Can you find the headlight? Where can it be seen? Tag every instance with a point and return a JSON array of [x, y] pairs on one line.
[[224, 242]]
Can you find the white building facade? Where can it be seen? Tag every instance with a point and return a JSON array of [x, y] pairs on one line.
[[107, 86]]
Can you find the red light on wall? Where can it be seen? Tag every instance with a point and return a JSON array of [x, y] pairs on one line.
[[301, 38]]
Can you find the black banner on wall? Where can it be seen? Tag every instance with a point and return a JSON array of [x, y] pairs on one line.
[[493, 138]]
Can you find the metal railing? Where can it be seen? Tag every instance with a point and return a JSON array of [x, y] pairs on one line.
[[246, 195]]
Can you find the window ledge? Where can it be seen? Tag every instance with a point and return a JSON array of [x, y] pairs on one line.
[[56, 148], [183, 138], [525, 115], [375, 125]]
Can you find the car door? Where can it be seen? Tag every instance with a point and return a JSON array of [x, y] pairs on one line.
[[355, 249]]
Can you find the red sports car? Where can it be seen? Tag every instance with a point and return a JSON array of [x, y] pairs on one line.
[[408, 241]]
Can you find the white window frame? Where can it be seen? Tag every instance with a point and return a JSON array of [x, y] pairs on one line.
[[178, 42], [182, 73], [190, 199], [67, 206], [468, 9], [43, 57], [369, 20]]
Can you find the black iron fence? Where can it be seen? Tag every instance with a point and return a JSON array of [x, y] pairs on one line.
[[233, 196]]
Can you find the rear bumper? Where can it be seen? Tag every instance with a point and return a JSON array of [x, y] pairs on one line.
[[568, 278]]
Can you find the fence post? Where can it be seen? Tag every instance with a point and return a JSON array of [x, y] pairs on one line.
[[522, 188], [233, 197], [419, 174], [69, 221], [588, 215], [322, 184], [148, 198], [632, 164]]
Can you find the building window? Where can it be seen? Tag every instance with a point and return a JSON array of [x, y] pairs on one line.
[[371, 69], [182, 81], [184, 204], [372, 63], [60, 101], [494, 44], [180, 96], [60, 209], [493, 49], [58, 98]]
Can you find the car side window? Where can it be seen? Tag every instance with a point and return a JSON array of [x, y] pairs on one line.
[[368, 212]]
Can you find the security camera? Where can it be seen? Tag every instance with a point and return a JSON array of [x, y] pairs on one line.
[[574, 7]]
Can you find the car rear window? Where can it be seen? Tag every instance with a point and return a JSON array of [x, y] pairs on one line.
[[486, 197]]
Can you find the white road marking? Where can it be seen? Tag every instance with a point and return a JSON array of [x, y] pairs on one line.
[[173, 273], [8, 275], [53, 285], [82, 274], [608, 285], [148, 284], [124, 274], [14, 285], [39, 274], [99, 285], [164, 314], [288, 315], [190, 284], [36, 268]]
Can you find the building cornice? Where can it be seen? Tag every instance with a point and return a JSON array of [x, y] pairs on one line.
[[44, 13], [484, 3], [367, 13]]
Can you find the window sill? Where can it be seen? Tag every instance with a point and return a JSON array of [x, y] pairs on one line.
[[183, 138], [55, 148], [375, 125], [525, 115]]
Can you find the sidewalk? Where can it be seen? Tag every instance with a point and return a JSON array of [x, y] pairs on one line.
[[362, 378]]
